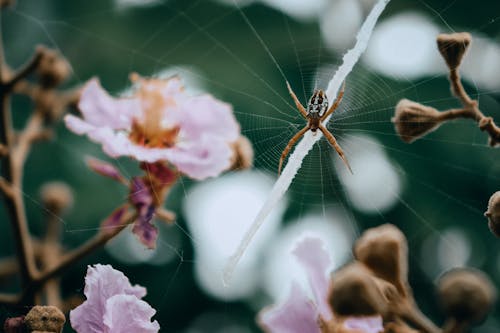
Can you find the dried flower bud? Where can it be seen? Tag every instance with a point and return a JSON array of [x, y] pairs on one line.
[[14, 325], [413, 120], [53, 69], [355, 293], [242, 154], [493, 213], [56, 196], [466, 294], [45, 319], [385, 251], [452, 47], [6, 3]]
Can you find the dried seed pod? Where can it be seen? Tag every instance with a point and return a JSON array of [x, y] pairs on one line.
[[493, 213], [56, 196], [53, 69], [413, 120], [242, 154], [45, 319], [384, 250], [467, 295], [354, 292], [453, 46]]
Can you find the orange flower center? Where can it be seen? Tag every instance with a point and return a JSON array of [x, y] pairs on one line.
[[149, 131]]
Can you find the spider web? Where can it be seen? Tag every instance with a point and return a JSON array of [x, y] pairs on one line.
[[243, 55]]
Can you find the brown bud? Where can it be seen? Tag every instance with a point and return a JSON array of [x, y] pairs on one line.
[[413, 120], [45, 319], [452, 47], [56, 196], [493, 213], [384, 250], [242, 154], [466, 294], [53, 69], [354, 292], [14, 325], [6, 3]]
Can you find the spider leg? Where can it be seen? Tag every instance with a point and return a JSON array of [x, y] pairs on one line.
[[329, 136], [290, 145], [296, 100], [335, 103]]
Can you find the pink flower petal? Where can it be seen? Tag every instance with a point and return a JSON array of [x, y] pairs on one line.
[[126, 313], [296, 315], [101, 283], [105, 169], [207, 158], [101, 110], [205, 114], [312, 255], [371, 324], [207, 126]]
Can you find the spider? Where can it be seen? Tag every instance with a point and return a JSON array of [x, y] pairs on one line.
[[315, 114]]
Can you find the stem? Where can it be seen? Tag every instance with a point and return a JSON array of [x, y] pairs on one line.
[[25, 70], [12, 174], [51, 254], [454, 326], [470, 110], [458, 89], [413, 315], [456, 113], [85, 249], [8, 267]]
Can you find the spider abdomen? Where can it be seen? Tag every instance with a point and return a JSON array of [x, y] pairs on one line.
[[318, 104]]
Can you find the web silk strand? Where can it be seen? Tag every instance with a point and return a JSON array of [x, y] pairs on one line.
[[306, 144]]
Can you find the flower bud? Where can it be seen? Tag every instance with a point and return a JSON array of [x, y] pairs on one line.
[[14, 325], [56, 196], [6, 3], [384, 250], [45, 319], [242, 154], [53, 69], [452, 47], [466, 294], [355, 293], [413, 120], [493, 213]]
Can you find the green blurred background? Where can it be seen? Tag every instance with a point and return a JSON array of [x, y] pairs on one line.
[[446, 178]]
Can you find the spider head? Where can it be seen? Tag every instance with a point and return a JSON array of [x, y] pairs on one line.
[[318, 104]]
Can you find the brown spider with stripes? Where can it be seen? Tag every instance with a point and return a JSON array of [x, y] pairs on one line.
[[315, 114]]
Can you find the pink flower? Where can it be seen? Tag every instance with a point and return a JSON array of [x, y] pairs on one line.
[[113, 305], [160, 122], [299, 314]]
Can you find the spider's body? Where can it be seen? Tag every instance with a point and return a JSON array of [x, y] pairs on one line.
[[317, 111], [318, 104]]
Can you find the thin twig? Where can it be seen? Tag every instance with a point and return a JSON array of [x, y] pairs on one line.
[[85, 249], [8, 267], [24, 71]]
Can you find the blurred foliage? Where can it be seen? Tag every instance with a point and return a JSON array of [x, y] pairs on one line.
[[448, 178]]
